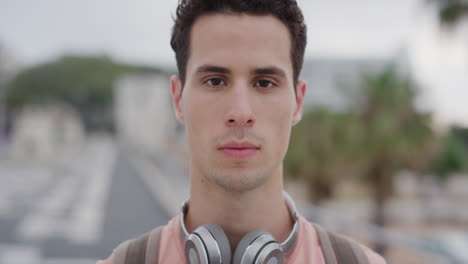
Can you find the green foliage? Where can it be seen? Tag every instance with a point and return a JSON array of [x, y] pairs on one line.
[[461, 133], [452, 11], [453, 156], [318, 150], [84, 82]]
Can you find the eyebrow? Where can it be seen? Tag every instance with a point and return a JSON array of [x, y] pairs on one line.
[[213, 68], [272, 70]]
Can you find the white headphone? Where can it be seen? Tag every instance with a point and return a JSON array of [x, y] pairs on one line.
[[208, 244]]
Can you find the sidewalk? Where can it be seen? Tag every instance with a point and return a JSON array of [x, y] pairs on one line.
[[52, 211], [165, 176]]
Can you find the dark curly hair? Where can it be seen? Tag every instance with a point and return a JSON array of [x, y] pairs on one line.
[[285, 10]]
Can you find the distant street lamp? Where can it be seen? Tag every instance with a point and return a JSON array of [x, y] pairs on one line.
[[2, 95], [7, 70]]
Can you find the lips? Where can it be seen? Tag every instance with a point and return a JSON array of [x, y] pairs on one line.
[[239, 150]]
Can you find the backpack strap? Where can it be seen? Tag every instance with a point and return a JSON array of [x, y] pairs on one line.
[[327, 247], [152, 252], [136, 252], [141, 250], [338, 249]]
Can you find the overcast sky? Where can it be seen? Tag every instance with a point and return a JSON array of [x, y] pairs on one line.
[[138, 31]]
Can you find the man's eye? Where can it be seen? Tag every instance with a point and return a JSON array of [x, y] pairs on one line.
[[264, 84], [215, 82]]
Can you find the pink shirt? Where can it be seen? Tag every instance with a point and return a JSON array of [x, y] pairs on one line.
[[307, 249]]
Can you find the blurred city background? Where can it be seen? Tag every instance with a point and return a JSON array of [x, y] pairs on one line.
[[91, 154]]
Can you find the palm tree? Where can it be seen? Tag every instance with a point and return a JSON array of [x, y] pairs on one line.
[[394, 135], [383, 134]]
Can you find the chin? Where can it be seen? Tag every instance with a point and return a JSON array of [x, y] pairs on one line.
[[239, 180]]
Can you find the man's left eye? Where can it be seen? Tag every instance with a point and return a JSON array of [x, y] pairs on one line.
[[264, 83]]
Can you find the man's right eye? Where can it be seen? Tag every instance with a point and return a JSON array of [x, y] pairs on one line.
[[215, 82]]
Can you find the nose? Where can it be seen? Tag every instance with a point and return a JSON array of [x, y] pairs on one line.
[[240, 112]]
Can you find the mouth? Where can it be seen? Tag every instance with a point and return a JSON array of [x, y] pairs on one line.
[[239, 150]]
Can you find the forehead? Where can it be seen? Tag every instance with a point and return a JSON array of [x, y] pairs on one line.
[[240, 41]]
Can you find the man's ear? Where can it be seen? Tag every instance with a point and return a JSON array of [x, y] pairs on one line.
[[301, 89], [176, 92]]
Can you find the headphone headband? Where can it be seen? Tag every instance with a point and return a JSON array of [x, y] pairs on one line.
[[286, 245]]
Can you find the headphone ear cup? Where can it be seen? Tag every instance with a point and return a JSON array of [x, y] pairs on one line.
[[222, 240], [251, 237], [195, 250], [207, 244]]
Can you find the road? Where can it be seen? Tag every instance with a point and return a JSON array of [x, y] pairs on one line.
[[75, 210]]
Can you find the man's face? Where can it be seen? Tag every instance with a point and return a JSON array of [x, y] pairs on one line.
[[238, 103]]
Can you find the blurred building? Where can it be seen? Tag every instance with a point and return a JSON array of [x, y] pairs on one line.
[[333, 82], [144, 118], [44, 132]]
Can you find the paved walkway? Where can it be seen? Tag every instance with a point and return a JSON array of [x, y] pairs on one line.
[[75, 210]]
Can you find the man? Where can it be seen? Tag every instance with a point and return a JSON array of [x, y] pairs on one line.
[[238, 95]]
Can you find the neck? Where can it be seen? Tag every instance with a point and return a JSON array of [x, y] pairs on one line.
[[238, 213]]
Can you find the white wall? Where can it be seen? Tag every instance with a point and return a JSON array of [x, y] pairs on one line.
[[143, 112], [44, 132]]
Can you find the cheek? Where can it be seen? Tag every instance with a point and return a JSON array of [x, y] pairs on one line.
[[282, 109], [201, 120], [279, 126], [283, 126]]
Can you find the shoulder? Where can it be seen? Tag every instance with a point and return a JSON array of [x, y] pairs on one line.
[[159, 238], [106, 261], [373, 257]]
